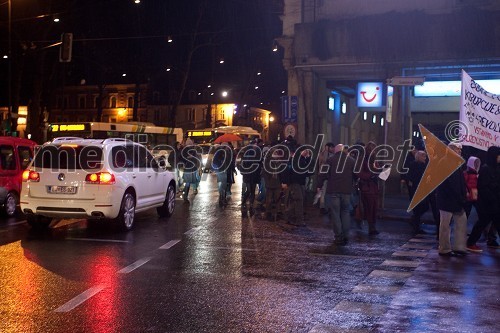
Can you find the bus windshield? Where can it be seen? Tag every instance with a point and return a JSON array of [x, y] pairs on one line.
[[208, 135], [144, 133]]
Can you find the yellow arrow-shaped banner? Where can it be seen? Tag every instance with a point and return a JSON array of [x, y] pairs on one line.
[[442, 163]]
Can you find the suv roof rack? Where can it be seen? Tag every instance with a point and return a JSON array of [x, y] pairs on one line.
[[66, 138], [116, 140]]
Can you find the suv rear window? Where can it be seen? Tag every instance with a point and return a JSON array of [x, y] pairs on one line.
[[69, 157]]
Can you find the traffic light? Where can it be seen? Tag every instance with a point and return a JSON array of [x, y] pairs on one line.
[[66, 47]]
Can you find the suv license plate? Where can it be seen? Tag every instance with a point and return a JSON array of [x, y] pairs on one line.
[[61, 189]]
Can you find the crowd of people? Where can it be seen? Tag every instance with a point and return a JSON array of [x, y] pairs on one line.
[[475, 186], [275, 179]]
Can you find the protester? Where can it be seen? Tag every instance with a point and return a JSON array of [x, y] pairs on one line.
[[270, 173], [488, 187], [250, 168], [368, 184], [339, 186], [220, 164], [451, 197], [416, 171], [192, 163], [327, 152], [231, 170], [293, 179]]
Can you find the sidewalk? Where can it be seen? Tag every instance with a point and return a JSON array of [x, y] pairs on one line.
[[395, 208], [441, 294]]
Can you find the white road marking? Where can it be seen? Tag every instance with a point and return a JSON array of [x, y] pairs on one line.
[[191, 231], [389, 274], [343, 256], [135, 265], [169, 244], [79, 299], [228, 248], [409, 254], [401, 263], [17, 223], [97, 240]]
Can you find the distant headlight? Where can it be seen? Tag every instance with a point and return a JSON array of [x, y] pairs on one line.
[[204, 160]]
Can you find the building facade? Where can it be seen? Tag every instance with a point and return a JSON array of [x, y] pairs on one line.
[[81, 104], [331, 47]]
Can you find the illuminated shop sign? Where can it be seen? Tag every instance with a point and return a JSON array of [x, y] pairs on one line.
[[68, 128], [200, 133], [370, 94], [452, 88]]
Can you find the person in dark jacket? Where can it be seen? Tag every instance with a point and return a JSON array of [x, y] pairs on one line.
[[221, 161], [192, 163], [250, 169], [488, 188], [270, 174], [415, 174], [293, 179], [368, 186], [231, 170], [451, 200], [339, 187]]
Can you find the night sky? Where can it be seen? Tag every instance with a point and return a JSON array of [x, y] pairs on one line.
[[112, 37]]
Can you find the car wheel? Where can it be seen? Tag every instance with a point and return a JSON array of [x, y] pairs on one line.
[[167, 209], [38, 222], [11, 202], [126, 215]]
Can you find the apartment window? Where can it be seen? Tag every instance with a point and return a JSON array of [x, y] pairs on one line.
[[94, 103], [222, 114], [112, 102], [190, 114], [157, 115], [81, 102], [130, 101]]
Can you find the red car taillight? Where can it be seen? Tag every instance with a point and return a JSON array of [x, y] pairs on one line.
[[101, 178], [30, 175]]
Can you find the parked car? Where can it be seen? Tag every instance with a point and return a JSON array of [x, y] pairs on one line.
[[15, 155], [110, 179]]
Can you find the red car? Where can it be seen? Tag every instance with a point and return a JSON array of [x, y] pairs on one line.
[[15, 155]]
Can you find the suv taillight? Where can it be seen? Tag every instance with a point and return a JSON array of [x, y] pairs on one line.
[[30, 175], [101, 178]]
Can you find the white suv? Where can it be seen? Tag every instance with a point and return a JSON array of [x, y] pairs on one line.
[[95, 179]]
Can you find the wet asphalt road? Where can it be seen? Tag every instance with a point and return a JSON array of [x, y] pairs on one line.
[[208, 270]]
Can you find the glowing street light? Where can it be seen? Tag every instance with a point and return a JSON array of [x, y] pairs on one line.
[[271, 118], [224, 94]]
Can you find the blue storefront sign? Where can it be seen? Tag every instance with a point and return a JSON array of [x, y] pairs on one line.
[[289, 108]]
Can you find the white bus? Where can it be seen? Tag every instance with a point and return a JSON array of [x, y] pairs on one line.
[[145, 133], [208, 135]]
